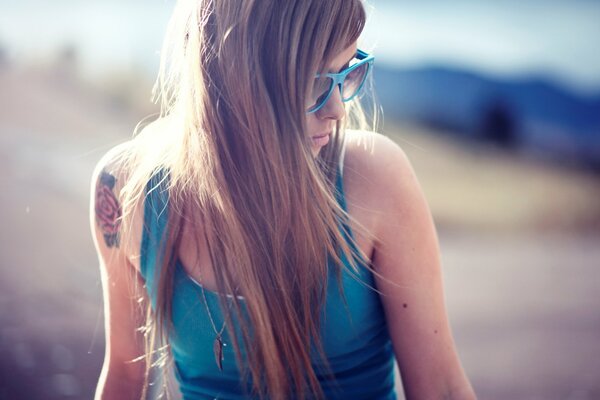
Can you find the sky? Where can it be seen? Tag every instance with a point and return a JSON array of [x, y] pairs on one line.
[[556, 39]]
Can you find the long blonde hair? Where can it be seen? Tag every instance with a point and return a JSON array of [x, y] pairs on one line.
[[233, 84]]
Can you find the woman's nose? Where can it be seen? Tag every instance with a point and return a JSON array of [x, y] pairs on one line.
[[334, 108]]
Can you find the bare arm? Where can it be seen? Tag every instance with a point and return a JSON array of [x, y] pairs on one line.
[[407, 256], [124, 296]]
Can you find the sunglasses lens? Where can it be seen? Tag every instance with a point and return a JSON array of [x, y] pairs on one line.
[[354, 81], [320, 91]]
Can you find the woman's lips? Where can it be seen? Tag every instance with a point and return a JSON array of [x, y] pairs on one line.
[[321, 139]]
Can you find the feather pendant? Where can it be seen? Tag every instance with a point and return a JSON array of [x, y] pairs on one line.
[[218, 350]]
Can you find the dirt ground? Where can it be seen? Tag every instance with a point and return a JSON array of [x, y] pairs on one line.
[[522, 293]]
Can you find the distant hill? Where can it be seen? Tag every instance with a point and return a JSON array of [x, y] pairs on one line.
[[532, 114]]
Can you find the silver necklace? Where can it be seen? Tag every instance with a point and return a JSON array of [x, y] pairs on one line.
[[218, 342]]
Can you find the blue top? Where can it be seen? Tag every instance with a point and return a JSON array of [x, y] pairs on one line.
[[354, 335]]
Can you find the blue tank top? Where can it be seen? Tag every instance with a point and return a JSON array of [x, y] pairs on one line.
[[353, 332]]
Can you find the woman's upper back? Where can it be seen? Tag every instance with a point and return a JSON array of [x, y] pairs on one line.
[[353, 331]]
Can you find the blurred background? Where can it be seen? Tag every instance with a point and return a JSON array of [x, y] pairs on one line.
[[497, 105]]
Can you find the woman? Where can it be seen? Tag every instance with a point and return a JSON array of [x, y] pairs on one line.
[[277, 254]]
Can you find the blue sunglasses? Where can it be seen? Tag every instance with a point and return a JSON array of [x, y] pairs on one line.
[[350, 81]]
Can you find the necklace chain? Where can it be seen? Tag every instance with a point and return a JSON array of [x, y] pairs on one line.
[[212, 321], [218, 342]]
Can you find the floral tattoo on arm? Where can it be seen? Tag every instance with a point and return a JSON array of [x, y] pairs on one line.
[[108, 209]]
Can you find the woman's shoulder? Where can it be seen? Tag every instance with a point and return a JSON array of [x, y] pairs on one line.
[[117, 195], [372, 147], [374, 159], [378, 176], [118, 188]]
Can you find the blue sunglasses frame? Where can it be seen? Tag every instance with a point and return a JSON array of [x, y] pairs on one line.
[[340, 77]]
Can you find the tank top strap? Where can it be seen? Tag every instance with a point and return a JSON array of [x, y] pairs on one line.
[[156, 217], [342, 155], [340, 196], [339, 180]]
